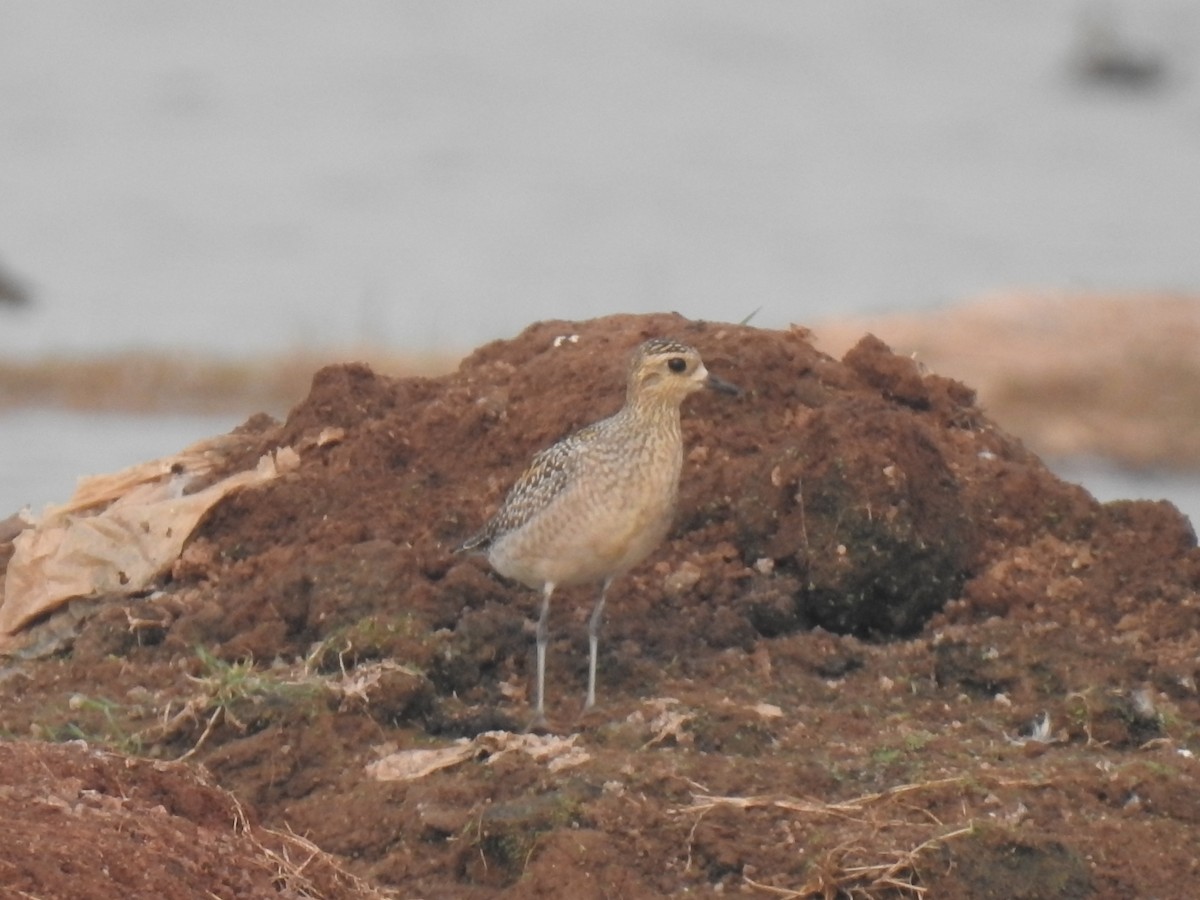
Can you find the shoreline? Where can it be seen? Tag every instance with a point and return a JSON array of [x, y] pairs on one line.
[[162, 381], [1114, 377]]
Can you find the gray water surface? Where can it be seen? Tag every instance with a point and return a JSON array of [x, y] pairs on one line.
[[251, 177]]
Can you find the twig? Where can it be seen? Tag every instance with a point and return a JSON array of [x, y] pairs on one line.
[[834, 878], [856, 804], [212, 720]]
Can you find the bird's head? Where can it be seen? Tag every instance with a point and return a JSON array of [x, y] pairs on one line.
[[666, 371]]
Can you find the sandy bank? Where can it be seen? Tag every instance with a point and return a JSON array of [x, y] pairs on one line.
[[1116, 376]]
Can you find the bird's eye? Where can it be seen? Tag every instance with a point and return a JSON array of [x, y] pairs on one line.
[[677, 364]]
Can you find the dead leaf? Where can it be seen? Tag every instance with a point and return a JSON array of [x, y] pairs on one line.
[[77, 552]]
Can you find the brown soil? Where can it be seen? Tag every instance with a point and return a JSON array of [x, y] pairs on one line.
[[884, 651]]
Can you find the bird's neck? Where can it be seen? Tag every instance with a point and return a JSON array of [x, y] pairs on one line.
[[651, 412]]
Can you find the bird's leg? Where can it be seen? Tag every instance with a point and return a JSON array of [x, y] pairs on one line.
[[594, 644], [543, 635]]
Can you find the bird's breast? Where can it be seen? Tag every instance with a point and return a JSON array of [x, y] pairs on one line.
[[614, 511]]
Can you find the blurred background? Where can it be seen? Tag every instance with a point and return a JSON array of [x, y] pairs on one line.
[[199, 203]]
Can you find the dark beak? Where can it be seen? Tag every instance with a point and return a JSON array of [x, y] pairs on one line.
[[722, 387]]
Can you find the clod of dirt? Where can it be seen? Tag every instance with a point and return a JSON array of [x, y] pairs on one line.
[[992, 866]]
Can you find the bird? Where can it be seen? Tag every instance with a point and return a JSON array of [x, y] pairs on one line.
[[1106, 57], [592, 506], [12, 291]]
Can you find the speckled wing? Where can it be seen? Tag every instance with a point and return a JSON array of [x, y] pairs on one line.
[[547, 475]]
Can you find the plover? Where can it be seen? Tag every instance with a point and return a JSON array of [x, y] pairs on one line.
[[594, 505]]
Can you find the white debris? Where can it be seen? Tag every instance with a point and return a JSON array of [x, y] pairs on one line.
[[408, 765], [768, 710]]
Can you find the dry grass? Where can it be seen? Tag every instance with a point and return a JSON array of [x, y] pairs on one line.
[[302, 869], [885, 834]]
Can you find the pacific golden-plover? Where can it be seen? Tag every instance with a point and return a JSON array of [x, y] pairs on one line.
[[594, 505]]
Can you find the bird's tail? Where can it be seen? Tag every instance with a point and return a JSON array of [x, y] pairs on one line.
[[475, 543]]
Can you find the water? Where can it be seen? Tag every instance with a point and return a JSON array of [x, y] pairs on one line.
[[45, 452], [247, 177], [1107, 482]]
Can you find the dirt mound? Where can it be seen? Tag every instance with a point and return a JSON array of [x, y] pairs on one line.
[[883, 647]]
